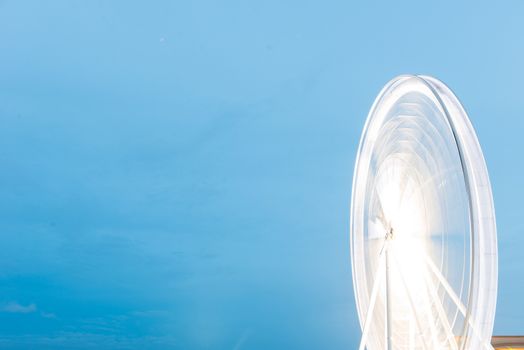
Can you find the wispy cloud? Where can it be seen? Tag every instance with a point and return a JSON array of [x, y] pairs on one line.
[[47, 314], [79, 340], [17, 308], [242, 340]]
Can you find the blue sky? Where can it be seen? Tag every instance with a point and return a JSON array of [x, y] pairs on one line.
[[177, 175]]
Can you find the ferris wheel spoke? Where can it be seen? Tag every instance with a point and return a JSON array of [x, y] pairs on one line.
[[376, 229], [381, 216], [447, 287], [379, 274], [438, 175], [441, 312], [406, 191], [410, 299], [428, 311], [456, 300]]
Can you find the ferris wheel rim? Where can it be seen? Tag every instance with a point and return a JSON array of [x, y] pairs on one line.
[[467, 146]]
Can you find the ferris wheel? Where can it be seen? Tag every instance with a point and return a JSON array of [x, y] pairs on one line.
[[423, 233]]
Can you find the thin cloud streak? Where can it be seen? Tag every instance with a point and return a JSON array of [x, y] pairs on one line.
[[16, 308]]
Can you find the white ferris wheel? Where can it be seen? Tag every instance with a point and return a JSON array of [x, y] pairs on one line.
[[423, 234]]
